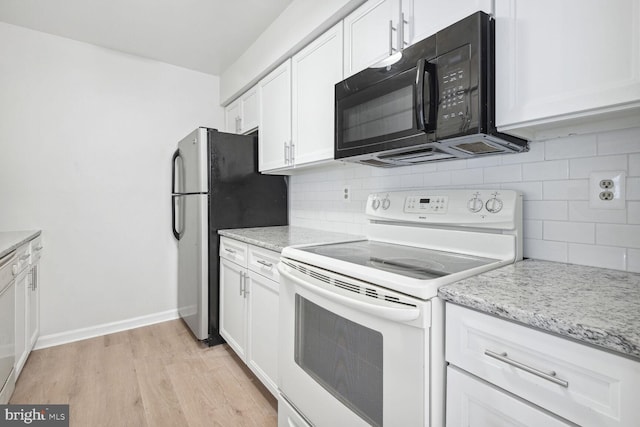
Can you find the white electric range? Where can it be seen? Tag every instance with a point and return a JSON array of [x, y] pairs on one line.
[[361, 327]]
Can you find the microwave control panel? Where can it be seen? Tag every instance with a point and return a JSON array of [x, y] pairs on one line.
[[454, 90]]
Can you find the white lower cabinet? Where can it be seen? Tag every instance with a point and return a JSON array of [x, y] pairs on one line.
[[573, 381], [249, 291], [475, 403], [27, 300]]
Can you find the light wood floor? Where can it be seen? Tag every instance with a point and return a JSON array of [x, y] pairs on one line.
[[158, 375]]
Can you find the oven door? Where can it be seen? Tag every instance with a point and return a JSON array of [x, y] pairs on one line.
[[350, 353], [397, 112]]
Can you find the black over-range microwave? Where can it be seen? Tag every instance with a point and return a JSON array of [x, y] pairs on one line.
[[435, 100]]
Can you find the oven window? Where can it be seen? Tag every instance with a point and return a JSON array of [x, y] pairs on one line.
[[388, 114], [342, 356]]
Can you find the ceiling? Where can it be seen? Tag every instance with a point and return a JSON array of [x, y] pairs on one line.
[[202, 35]]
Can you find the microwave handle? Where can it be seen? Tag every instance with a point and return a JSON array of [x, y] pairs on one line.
[[426, 104]]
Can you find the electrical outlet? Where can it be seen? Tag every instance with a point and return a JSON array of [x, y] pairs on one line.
[[346, 193], [607, 190]]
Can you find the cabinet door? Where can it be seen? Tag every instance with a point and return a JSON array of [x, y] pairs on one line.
[[232, 306], [315, 71], [274, 97], [566, 64], [262, 349], [249, 118], [474, 403], [33, 307], [370, 34], [430, 16], [233, 114], [21, 351]]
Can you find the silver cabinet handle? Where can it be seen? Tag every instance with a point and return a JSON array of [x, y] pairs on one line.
[[241, 282], [286, 149], [551, 376], [231, 251], [391, 30], [292, 156], [401, 42], [265, 263]]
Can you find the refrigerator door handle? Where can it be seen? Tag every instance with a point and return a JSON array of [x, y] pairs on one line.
[[173, 170], [176, 234]]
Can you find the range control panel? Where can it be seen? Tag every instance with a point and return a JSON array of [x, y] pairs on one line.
[[452, 206], [423, 204]]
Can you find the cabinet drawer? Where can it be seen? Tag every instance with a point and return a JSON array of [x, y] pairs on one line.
[[584, 385], [234, 250], [474, 403], [264, 262]]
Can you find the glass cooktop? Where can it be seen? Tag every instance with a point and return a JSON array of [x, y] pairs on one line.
[[410, 261]]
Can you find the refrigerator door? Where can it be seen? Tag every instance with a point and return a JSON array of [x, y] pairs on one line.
[[190, 164], [193, 259]]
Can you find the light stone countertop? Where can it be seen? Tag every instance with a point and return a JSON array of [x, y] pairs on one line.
[[10, 240], [592, 305], [278, 238]]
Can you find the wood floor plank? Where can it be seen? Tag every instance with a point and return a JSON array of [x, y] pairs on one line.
[[158, 375]]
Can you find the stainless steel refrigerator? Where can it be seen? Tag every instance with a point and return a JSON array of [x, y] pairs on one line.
[[216, 185]]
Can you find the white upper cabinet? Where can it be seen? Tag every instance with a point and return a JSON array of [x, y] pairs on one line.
[[274, 140], [371, 33], [430, 16], [568, 66], [241, 116], [315, 71]]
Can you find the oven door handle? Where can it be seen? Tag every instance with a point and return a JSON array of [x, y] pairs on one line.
[[404, 314]]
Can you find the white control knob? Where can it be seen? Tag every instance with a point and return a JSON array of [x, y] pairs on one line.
[[475, 204], [386, 203], [494, 205], [375, 204]]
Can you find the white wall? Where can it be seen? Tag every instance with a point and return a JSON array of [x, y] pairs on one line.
[[87, 136], [553, 175]]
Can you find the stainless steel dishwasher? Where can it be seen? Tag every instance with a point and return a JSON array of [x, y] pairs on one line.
[[7, 326]]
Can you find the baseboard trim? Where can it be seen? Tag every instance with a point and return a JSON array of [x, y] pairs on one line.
[[104, 329]]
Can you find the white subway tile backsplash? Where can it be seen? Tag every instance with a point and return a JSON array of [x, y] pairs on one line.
[[580, 211], [437, 179], [619, 142], [634, 165], [468, 176], [633, 260], [633, 213], [546, 250], [576, 232], [553, 177], [545, 210], [532, 229], [529, 190], [581, 168], [574, 189], [633, 188], [509, 173], [618, 235], [412, 181], [571, 147], [598, 256], [551, 169]]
